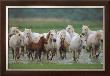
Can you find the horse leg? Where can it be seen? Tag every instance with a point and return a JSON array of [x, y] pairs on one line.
[[90, 49], [13, 53], [79, 53], [29, 54], [52, 56], [22, 50], [18, 54], [35, 54], [65, 54], [25, 49], [40, 55], [74, 56], [47, 55], [95, 52], [32, 54], [61, 54]]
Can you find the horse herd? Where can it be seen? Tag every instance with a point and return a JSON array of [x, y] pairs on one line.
[[49, 44]]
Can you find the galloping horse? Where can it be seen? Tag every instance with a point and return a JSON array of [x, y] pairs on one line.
[[51, 46], [37, 48], [63, 48]]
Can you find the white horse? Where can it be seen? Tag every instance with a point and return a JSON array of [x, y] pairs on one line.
[[86, 31], [71, 31], [90, 37], [13, 31], [93, 44], [51, 46], [63, 43], [76, 47], [15, 43]]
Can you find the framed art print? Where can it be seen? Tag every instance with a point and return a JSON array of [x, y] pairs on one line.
[[54, 38], [62, 22]]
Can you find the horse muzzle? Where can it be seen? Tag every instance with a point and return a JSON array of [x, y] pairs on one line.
[[83, 34], [84, 47], [102, 40], [54, 40]]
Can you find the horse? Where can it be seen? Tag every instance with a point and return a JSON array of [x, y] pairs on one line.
[[15, 43], [70, 30], [37, 48], [93, 43], [63, 47], [13, 31], [51, 46], [93, 40], [76, 47]]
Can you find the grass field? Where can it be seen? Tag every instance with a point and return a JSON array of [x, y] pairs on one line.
[[55, 66], [44, 25]]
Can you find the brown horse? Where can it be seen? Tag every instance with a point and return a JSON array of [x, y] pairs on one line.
[[38, 48], [62, 48]]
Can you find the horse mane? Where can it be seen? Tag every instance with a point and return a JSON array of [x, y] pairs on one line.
[[40, 43], [48, 35], [30, 39], [62, 42], [40, 39]]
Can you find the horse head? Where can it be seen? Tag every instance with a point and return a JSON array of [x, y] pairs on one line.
[[53, 35], [43, 40], [85, 29], [69, 29]]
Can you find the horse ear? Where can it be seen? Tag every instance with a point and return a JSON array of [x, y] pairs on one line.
[[56, 31], [69, 25], [83, 25], [87, 26]]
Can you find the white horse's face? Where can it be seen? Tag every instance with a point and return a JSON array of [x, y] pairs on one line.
[[69, 29], [14, 30], [84, 29], [53, 35], [27, 32], [20, 38], [63, 35]]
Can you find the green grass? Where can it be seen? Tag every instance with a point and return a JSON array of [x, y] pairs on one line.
[[44, 25], [55, 66]]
